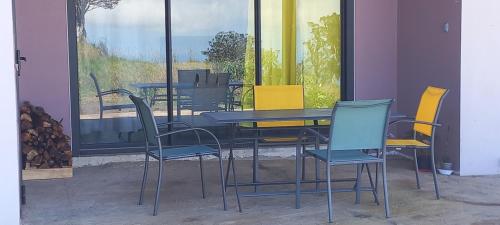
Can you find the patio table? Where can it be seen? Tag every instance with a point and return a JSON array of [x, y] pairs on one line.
[[145, 89], [235, 117]]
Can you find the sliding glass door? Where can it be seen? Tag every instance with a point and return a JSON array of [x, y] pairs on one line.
[[218, 50], [301, 44], [212, 53], [319, 51], [121, 51]]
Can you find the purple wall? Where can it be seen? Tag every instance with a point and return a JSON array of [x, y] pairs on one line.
[[429, 56], [376, 49], [42, 37]]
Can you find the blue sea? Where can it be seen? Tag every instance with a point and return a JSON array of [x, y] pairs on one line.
[[142, 43], [147, 44]]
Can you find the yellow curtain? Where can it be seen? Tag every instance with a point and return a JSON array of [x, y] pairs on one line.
[[279, 50], [279, 37], [289, 41]]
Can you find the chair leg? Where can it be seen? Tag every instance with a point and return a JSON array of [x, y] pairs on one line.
[[236, 186], [386, 193], [157, 198], [202, 178], [316, 163], [415, 159], [329, 187], [228, 168], [255, 163], [362, 168], [358, 183], [316, 173], [144, 178], [303, 162], [222, 183], [376, 174], [298, 167], [434, 175], [374, 191]]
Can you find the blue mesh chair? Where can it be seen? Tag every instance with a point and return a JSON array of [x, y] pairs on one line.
[[357, 126], [155, 150]]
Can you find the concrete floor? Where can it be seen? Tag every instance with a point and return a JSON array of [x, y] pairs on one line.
[[108, 194]]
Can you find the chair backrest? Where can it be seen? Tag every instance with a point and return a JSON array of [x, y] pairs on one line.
[[147, 120], [428, 109], [279, 97], [358, 125], [223, 79], [196, 77], [211, 81], [97, 88], [208, 98]]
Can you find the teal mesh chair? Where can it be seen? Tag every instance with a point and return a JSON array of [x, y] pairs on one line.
[[357, 126], [155, 149]]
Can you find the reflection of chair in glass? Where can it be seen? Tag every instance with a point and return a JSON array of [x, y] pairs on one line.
[[424, 126], [356, 126], [188, 80], [211, 81], [223, 81], [100, 94], [155, 150], [210, 99]]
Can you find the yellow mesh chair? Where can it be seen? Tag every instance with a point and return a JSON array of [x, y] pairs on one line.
[[275, 98], [279, 97], [424, 126]]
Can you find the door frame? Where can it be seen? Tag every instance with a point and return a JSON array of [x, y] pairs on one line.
[[347, 71]]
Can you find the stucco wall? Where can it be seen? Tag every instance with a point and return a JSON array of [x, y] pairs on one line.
[[42, 38], [480, 92], [429, 56], [376, 49], [400, 49]]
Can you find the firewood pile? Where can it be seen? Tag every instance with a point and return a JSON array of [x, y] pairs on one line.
[[44, 145]]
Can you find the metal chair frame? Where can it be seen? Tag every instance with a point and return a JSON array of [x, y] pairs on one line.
[[100, 94], [415, 149], [360, 164], [160, 157]]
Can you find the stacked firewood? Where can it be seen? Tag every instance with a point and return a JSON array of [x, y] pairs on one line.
[[44, 145]]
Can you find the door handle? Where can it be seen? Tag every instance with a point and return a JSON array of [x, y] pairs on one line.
[[19, 58]]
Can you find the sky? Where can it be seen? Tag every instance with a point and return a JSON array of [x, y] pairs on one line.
[[189, 17]]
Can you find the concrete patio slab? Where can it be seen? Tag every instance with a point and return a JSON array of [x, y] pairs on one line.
[[108, 194]]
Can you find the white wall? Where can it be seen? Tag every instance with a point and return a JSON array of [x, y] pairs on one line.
[[480, 88], [9, 162]]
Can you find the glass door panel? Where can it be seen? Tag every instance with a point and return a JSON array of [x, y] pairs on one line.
[[301, 44], [121, 50], [319, 51], [213, 57]]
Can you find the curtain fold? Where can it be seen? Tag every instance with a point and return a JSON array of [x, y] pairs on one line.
[[289, 42]]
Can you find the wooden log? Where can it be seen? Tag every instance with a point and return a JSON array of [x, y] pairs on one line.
[[44, 144], [44, 174]]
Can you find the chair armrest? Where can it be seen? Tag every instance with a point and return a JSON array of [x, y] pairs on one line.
[[195, 130], [116, 91], [316, 133], [186, 124], [414, 121]]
